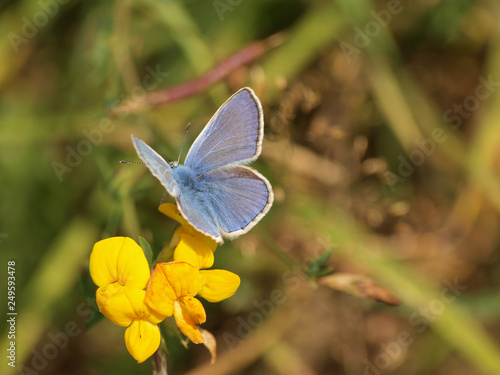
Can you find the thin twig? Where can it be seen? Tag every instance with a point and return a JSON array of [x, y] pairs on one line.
[[162, 97]]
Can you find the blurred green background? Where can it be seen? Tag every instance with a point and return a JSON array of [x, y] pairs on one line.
[[382, 138]]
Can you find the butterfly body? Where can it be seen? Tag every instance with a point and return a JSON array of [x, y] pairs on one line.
[[214, 190], [185, 177]]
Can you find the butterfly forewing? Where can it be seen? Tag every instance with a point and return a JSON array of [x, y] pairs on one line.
[[156, 164], [232, 136]]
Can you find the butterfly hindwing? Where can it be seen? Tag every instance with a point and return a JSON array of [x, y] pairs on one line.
[[240, 197], [194, 208]]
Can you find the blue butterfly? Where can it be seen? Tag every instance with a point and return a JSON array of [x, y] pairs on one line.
[[214, 191]]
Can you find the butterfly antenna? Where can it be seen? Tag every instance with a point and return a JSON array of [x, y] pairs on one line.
[[183, 142], [130, 162]]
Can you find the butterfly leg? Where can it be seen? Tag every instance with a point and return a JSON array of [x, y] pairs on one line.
[[164, 198]]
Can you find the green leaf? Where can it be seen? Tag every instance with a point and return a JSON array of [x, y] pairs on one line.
[[319, 266], [169, 328], [146, 247]]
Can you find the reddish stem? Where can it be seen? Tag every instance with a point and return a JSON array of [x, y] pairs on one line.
[[161, 97]]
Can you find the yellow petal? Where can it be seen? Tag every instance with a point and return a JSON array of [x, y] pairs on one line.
[[217, 285], [142, 339], [189, 311], [119, 259], [188, 229], [121, 304], [171, 210], [193, 251], [155, 317], [211, 243], [169, 282], [103, 261], [133, 268]]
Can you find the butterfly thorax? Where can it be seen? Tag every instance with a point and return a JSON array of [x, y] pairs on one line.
[[184, 180]]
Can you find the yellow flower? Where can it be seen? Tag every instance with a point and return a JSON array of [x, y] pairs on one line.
[[120, 269], [171, 292], [174, 285], [216, 285]]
